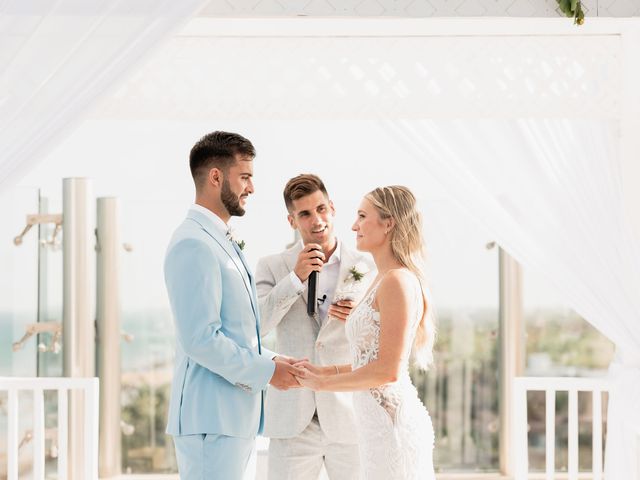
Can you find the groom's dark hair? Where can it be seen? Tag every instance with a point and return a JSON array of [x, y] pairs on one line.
[[217, 150], [301, 186]]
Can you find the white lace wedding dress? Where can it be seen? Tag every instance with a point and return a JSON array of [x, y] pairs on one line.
[[395, 432]]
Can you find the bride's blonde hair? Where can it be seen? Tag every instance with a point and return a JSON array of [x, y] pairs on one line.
[[407, 245]]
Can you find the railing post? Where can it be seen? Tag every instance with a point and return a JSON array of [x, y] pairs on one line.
[[12, 434], [550, 432], [519, 430], [91, 412], [63, 433], [573, 434], [597, 435]]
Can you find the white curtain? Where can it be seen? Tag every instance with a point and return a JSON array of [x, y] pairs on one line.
[[57, 58], [550, 193]]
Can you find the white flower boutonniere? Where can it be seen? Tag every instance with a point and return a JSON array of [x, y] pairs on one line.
[[230, 235]]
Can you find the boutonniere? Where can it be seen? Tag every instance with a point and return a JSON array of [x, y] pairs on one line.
[[231, 236], [357, 273], [350, 289]]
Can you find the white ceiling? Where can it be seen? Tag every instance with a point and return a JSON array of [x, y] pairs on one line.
[[412, 8], [286, 69]]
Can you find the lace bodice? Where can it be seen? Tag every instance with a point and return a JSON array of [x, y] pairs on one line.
[[363, 332], [396, 436]]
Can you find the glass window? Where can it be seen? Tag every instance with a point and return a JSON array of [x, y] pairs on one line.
[[559, 343], [18, 311], [461, 390]]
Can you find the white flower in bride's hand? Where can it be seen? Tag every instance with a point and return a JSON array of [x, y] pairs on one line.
[[231, 236]]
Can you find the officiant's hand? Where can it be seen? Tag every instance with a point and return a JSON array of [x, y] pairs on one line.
[[285, 376], [310, 259], [341, 310]]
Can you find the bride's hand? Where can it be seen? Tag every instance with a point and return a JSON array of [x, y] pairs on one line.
[[310, 380], [315, 369]]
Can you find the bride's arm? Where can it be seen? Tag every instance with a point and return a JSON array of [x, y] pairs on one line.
[[323, 371], [394, 300]]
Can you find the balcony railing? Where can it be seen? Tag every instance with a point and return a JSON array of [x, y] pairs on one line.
[[63, 387], [519, 448], [552, 385]]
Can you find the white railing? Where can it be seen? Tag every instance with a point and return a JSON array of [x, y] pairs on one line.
[[89, 388], [551, 385]]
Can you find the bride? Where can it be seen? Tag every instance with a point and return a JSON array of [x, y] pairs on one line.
[[391, 325]]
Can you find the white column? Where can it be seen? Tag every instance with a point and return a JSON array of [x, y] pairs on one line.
[[78, 321], [108, 321], [512, 352]]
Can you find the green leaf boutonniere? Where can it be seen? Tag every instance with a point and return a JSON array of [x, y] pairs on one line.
[[356, 273]]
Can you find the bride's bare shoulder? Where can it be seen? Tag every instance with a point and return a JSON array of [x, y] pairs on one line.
[[398, 282]]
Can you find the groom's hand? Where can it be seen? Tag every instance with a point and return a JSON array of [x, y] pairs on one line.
[[310, 259], [289, 360], [341, 310], [284, 376]]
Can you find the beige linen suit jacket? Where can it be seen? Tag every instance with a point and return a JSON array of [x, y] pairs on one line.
[[283, 308]]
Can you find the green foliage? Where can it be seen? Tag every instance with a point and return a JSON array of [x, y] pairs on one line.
[[573, 9], [146, 410], [357, 276]]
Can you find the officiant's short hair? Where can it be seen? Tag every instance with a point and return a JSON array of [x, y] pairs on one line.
[[301, 186], [217, 150]]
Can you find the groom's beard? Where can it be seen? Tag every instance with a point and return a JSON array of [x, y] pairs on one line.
[[230, 200]]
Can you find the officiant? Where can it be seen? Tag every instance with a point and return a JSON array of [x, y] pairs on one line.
[[311, 429]]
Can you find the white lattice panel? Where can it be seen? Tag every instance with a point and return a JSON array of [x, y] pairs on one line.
[[480, 76], [412, 8]]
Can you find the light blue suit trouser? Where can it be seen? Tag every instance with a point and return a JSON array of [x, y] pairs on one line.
[[211, 457]]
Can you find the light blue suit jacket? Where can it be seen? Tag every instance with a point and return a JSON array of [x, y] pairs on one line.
[[221, 370]]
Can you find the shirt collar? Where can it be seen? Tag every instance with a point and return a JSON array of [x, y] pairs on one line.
[[337, 253], [218, 223]]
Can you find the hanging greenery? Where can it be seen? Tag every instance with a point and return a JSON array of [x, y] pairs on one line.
[[572, 8]]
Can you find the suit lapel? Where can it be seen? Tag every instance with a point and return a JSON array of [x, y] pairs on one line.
[[227, 246], [346, 262], [252, 285]]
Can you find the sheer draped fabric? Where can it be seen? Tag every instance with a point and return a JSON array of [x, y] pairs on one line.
[[58, 58], [550, 192]]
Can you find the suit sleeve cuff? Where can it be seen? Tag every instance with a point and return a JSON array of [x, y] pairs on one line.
[[297, 284], [265, 368]]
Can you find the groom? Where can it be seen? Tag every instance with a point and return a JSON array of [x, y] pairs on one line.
[[221, 370], [309, 429]]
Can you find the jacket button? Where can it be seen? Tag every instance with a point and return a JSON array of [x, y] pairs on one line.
[[319, 345]]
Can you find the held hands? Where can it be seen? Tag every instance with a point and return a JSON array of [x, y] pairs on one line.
[[310, 259], [286, 374], [341, 310], [313, 375]]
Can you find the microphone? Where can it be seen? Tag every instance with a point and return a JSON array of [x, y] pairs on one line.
[[322, 299], [311, 294]]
